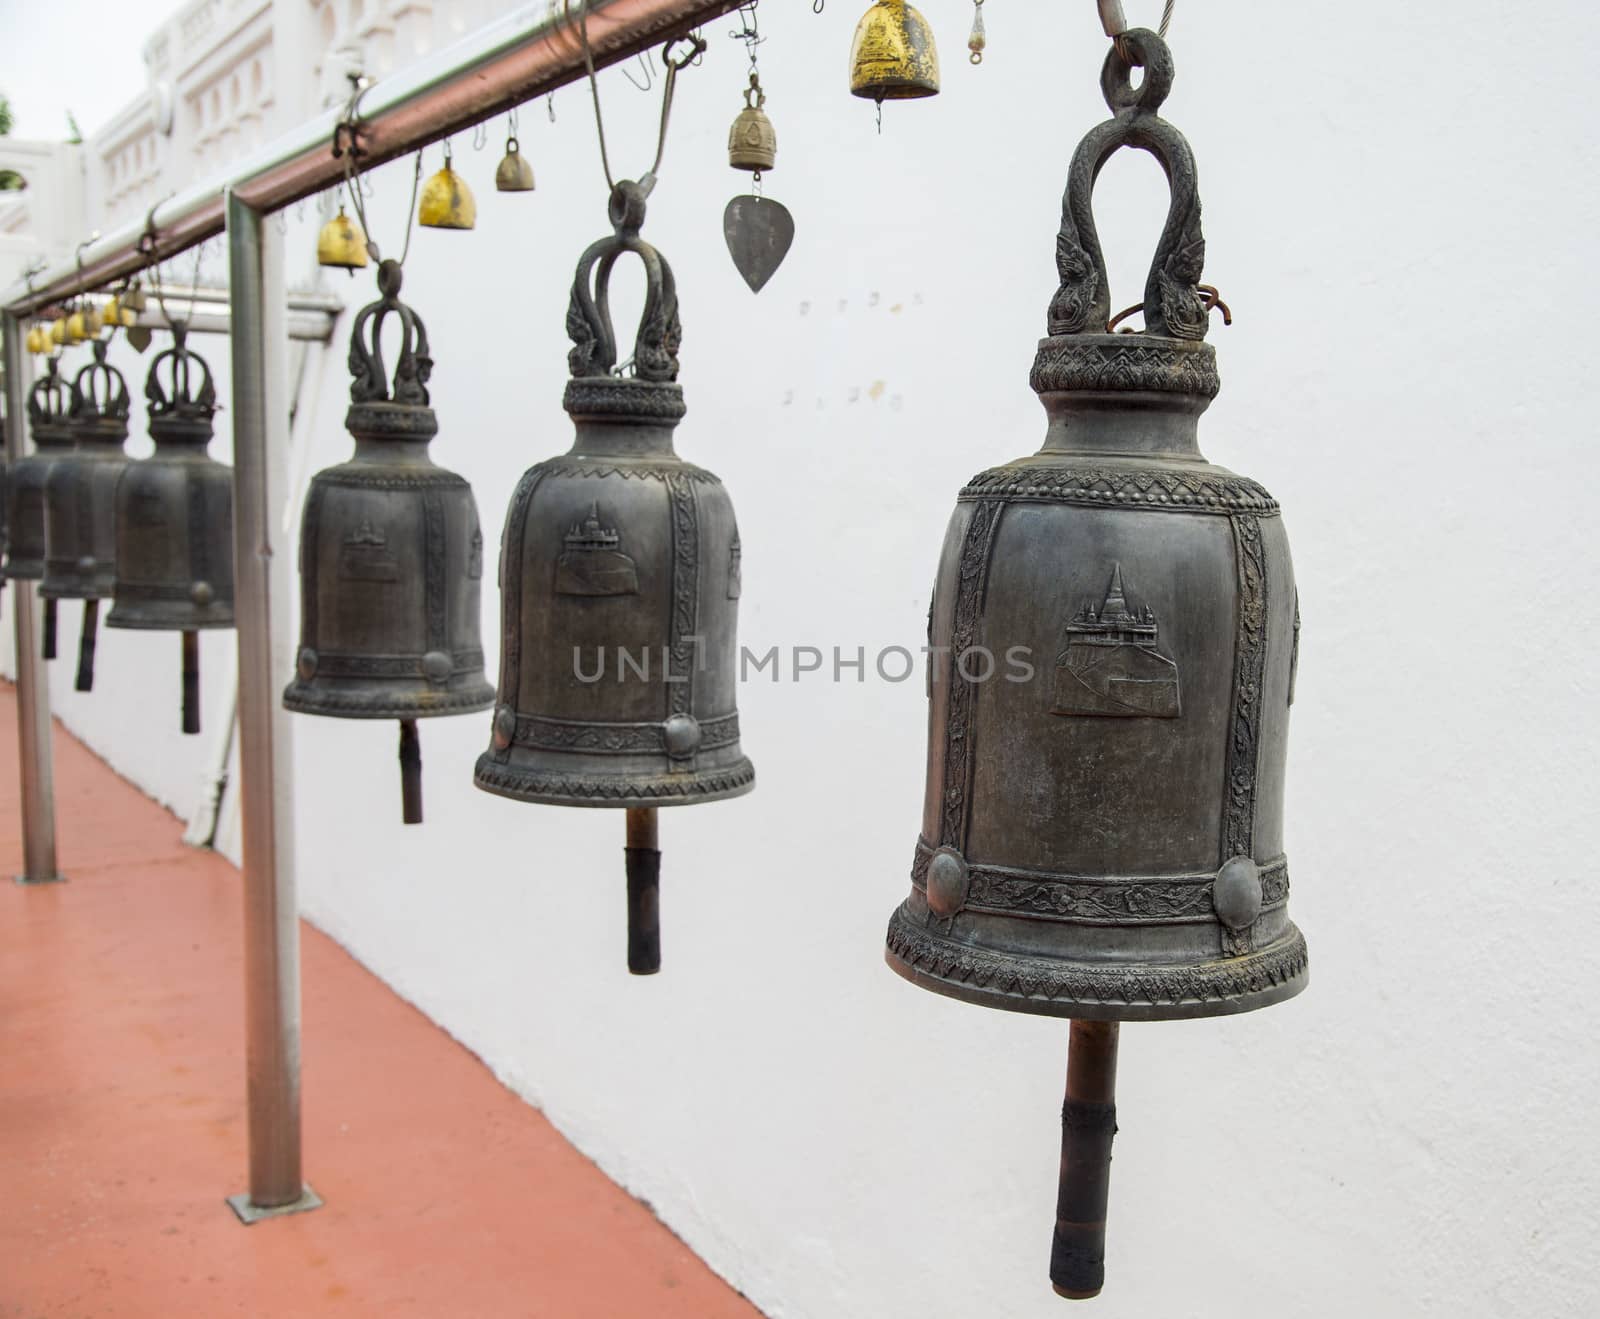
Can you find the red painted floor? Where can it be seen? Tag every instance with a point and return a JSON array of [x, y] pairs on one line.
[[122, 1122]]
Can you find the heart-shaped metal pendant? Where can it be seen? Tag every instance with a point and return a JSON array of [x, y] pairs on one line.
[[138, 337], [759, 233]]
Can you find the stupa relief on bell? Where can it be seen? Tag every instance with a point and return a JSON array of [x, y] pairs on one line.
[[619, 584], [1105, 841], [391, 558], [80, 501], [174, 519]]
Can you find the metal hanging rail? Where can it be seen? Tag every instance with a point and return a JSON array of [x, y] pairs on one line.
[[522, 56], [518, 57]]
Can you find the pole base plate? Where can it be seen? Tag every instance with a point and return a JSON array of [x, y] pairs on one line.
[[250, 1212], [53, 879]]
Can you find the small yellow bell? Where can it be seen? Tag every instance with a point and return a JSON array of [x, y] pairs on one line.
[[513, 174], [447, 201], [752, 141], [58, 331], [341, 244], [116, 315], [894, 57], [77, 330], [38, 340]]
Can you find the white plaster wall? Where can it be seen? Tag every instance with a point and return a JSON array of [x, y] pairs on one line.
[[1400, 206]]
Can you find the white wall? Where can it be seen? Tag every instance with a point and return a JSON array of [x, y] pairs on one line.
[[1400, 207]]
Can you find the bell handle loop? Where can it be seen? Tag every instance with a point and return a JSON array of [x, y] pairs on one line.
[[184, 360], [589, 324], [370, 381], [1174, 305], [98, 390]]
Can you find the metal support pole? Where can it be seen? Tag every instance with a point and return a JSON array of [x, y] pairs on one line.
[[271, 925], [33, 687]]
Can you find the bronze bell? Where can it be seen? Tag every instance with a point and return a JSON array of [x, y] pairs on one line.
[[80, 501], [175, 519], [391, 557], [513, 173], [1102, 835], [893, 57], [619, 583], [752, 141], [49, 412]]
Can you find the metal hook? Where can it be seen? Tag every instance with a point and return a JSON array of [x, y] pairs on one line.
[[649, 73], [480, 135]]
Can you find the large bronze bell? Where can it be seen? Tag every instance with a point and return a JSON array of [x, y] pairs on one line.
[[391, 557], [80, 501], [619, 583], [1102, 837], [175, 519]]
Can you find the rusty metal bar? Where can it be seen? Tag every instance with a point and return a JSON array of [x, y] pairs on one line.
[[521, 56]]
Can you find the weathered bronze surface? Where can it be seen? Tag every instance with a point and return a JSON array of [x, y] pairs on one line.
[[81, 487], [174, 518], [1114, 629], [49, 414], [80, 505], [391, 556], [620, 579], [1105, 840]]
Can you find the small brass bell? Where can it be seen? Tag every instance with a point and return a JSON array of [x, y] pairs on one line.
[[513, 173], [58, 331], [116, 315], [447, 202], [38, 341], [752, 142], [341, 244], [894, 57]]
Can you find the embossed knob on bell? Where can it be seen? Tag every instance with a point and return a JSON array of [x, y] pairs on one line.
[[893, 57], [620, 581], [1102, 836], [391, 558], [174, 520], [80, 502]]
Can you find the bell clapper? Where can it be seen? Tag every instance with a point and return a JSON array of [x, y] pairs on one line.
[[410, 772], [191, 681], [86, 640], [644, 892], [48, 649], [1088, 1124]]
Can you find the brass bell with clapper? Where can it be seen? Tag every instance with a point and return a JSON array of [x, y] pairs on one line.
[[80, 501], [174, 519], [620, 581], [391, 557], [1102, 835]]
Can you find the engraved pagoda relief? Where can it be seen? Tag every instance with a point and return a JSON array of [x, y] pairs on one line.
[[592, 563], [365, 556], [735, 566], [475, 554], [1111, 664]]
